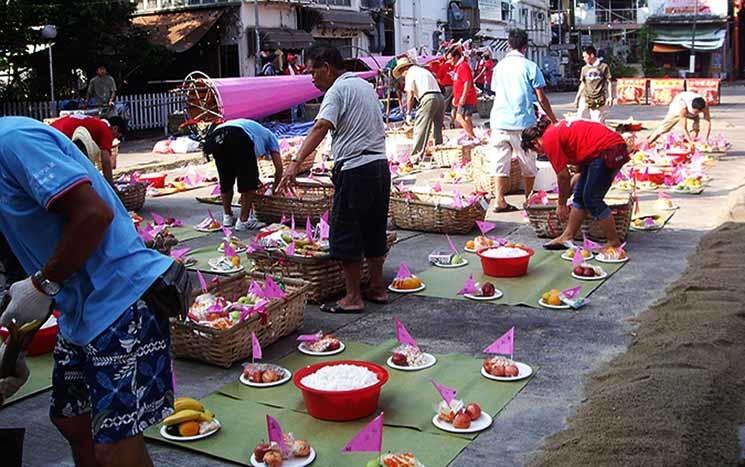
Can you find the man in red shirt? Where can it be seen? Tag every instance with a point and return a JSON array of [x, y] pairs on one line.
[[103, 132], [464, 91], [484, 72], [600, 153], [441, 68]]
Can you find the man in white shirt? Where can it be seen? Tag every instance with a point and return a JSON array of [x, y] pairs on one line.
[[420, 84], [685, 106]]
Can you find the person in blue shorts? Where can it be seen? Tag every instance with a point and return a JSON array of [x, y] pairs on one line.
[[74, 239]]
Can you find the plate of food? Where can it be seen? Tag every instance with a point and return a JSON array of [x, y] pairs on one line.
[[409, 284], [612, 255], [238, 245], [224, 265], [552, 300], [456, 262], [410, 358], [405, 459], [587, 272], [500, 368], [479, 243], [486, 292], [646, 224], [666, 204], [209, 224], [300, 454], [264, 375], [189, 422], [458, 417], [569, 254], [326, 345]]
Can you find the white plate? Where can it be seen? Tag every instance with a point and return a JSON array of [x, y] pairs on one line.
[[497, 295], [553, 307], [291, 462], [469, 250], [286, 378], [302, 349], [418, 289], [430, 362], [189, 262], [523, 372], [451, 266], [696, 191], [566, 258], [201, 229], [170, 437], [594, 278], [214, 261], [601, 259], [221, 249], [480, 424]]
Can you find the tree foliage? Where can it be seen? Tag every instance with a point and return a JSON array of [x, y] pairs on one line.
[[89, 33]]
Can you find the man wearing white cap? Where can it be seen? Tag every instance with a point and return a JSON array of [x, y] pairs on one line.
[[421, 84]]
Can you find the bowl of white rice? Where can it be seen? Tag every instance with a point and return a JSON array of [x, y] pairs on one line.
[[504, 261], [341, 390]]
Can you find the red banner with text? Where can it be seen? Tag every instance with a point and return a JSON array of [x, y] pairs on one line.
[[663, 91], [631, 90], [708, 88]]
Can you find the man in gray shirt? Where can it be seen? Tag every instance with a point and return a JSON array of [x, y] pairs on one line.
[[102, 88], [362, 180]]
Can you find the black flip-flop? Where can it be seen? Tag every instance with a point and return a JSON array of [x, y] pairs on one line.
[[508, 208], [557, 246], [336, 309]]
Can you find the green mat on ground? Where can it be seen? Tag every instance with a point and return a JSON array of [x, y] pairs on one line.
[[244, 426], [186, 233], [408, 398], [546, 271], [206, 253], [215, 199], [39, 380]]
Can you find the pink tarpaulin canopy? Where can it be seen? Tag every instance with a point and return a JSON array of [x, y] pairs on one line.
[[259, 97]]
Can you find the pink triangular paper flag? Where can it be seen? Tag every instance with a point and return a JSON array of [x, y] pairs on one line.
[[485, 227], [215, 191], [157, 219], [447, 394], [255, 347], [323, 229], [369, 439], [469, 287], [578, 259], [179, 253], [571, 293], [402, 335], [275, 434], [202, 282], [504, 345], [291, 249], [403, 271]]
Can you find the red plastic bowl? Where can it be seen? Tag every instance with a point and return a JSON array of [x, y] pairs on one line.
[[341, 406], [154, 180], [43, 342], [505, 267]]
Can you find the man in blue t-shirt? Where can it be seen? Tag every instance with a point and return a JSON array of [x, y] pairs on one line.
[[236, 145], [517, 84], [72, 236]]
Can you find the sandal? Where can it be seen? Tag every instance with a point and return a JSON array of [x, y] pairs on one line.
[[336, 309], [557, 246], [508, 208]]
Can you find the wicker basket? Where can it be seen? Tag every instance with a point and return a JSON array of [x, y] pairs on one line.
[[132, 196], [266, 166], [487, 183], [545, 223], [325, 277], [430, 216], [223, 347], [447, 155], [311, 200]]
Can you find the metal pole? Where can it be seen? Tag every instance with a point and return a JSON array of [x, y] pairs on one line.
[[692, 63], [51, 74], [258, 38]]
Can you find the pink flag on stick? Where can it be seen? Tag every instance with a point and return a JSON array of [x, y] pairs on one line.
[[308, 229], [283, 219], [253, 247], [457, 200], [325, 217], [202, 282], [323, 229], [227, 232], [228, 250], [291, 249], [215, 191], [485, 227], [578, 259], [589, 245], [275, 434], [271, 288], [255, 289], [649, 222], [402, 335], [504, 345], [450, 242], [403, 271], [292, 223], [369, 439], [469, 287], [447, 394], [179, 253], [663, 195], [255, 347]]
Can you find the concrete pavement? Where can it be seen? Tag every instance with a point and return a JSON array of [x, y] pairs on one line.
[[566, 346]]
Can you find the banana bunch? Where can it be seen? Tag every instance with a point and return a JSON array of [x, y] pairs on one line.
[[187, 409]]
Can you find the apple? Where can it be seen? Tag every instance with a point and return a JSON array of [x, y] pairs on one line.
[[461, 420], [473, 411], [333, 345], [399, 359], [511, 371], [260, 450], [270, 376], [488, 290], [589, 272], [579, 271], [255, 375], [497, 370]]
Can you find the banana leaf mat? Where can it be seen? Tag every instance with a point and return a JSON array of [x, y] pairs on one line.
[[546, 271], [187, 233], [204, 254], [39, 380], [408, 398], [244, 426]]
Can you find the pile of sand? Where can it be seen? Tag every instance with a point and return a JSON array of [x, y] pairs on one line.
[[677, 396]]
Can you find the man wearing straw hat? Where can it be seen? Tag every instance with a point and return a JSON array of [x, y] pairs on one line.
[[94, 137], [420, 84]]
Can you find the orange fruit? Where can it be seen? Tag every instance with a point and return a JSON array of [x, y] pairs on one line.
[[470, 245], [545, 297], [188, 429], [554, 300], [235, 261], [586, 254]]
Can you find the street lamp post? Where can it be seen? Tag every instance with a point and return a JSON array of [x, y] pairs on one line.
[[692, 62], [49, 32]]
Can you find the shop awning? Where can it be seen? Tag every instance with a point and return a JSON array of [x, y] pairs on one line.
[[341, 19], [178, 31], [283, 38], [708, 37], [667, 49]]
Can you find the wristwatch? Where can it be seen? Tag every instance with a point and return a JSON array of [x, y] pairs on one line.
[[45, 285]]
